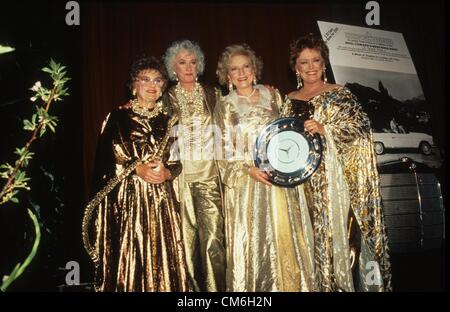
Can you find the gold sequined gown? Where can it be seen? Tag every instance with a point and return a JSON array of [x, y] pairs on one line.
[[345, 186], [136, 227], [266, 247]]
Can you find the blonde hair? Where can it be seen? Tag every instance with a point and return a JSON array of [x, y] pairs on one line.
[[233, 50]]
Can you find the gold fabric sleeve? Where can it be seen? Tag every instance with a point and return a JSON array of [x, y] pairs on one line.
[[347, 180], [232, 165]]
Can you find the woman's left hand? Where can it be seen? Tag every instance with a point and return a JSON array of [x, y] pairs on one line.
[[314, 127]]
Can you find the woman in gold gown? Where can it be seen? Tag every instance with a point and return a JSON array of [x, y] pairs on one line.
[[266, 249], [343, 195], [135, 238], [199, 186]]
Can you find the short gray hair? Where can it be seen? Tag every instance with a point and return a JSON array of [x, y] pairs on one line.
[[175, 48]]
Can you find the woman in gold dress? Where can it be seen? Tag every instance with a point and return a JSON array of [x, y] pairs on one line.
[[135, 238], [343, 195], [199, 187], [266, 249]]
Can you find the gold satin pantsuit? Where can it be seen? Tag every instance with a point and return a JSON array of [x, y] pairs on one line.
[[199, 191]]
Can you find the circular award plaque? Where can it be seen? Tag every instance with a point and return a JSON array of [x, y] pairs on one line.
[[287, 153]]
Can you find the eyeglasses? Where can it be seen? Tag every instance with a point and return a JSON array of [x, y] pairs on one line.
[[147, 81]]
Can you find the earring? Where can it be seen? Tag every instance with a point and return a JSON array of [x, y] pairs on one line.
[[254, 81], [196, 78], [299, 80], [176, 77], [324, 76], [230, 86], [134, 92]]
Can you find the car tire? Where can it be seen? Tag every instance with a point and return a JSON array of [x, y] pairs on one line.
[[379, 148], [425, 148]]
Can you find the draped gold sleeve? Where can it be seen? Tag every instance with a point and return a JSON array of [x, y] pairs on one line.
[[231, 161], [345, 119], [278, 101], [349, 127], [286, 107]]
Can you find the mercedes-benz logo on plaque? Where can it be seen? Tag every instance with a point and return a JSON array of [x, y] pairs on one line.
[[288, 153]]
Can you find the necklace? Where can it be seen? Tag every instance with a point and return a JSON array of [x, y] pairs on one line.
[[248, 96], [145, 111], [190, 103]]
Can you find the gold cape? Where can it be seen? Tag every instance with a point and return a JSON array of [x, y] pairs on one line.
[[347, 182]]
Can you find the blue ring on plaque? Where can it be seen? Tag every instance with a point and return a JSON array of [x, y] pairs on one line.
[[287, 153]]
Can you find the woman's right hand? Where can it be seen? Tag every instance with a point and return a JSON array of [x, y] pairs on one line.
[[152, 172], [259, 175]]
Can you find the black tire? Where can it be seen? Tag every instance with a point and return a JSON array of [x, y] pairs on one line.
[[379, 148], [425, 148]]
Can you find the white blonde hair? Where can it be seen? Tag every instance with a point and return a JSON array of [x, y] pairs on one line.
[[175, 48]]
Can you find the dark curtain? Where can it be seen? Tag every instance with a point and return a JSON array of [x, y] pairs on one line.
[[114, 33]]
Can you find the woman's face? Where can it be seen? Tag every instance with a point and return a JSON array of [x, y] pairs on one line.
[[241, 71], [310, 65], [186, 66], [148, 85]]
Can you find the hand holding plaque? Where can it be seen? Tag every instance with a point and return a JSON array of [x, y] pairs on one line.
[[287, 153]]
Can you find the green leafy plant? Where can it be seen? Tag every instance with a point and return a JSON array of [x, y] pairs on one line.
[[15, 175]]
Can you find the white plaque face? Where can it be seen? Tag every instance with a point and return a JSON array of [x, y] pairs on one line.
[[288, 151]]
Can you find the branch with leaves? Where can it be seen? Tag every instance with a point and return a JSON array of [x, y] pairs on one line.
[[15, 175], [40, 121]]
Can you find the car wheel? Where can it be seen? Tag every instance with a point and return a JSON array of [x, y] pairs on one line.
[[379, 148], [425, 148]]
